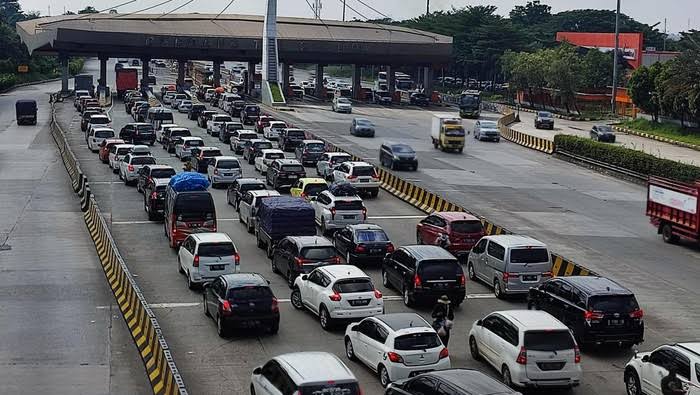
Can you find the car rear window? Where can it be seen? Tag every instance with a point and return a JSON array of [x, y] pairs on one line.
[[263, 145], [233, 127], [365, 236], [548, 340], [228, 164], [122, 151], [529, 255], [331, 388], [316, 147], [363, 171], [320, 253], [249, 292], [613, 303], [353, 285], [145, 128], [180, 133], [348, 205], [162, 173], [211, 153], [339, 159], [194, 206], [221, 118], [439, 268], [216, 249], [417, 341], [247, 136], [143, 160], [99, 121], [104, 134], [296, 133], [466, 226], [275, 155], [194, 143], [293, 168], [252, 187], [252, 109]]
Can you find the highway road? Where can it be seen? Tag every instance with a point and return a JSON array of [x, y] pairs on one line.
[[595, 219]]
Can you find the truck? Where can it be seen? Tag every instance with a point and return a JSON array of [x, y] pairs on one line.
[[674, 209], [83, 82], [25, 112], [127, 79], [279, 217], [447, 133], [470, 104]]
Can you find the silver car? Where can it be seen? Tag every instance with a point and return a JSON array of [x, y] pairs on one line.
[[129, 167], [224, 170], [183, 150], [487, 130]]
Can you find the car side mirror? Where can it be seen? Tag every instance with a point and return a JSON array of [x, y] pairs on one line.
[[479, 323], [206, 285], [645, 358], [257, 371], [304, 277]]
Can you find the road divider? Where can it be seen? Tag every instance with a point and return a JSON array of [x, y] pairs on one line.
[[160, 367]]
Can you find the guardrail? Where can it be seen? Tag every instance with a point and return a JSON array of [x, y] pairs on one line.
[[160, 367]]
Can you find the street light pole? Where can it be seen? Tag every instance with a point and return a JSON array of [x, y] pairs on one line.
[[343, 10], [427, 7], [615, 60]]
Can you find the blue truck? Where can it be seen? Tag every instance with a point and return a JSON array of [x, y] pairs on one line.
[[282, 216]]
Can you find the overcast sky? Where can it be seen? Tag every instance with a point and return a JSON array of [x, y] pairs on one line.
[[677, 12]]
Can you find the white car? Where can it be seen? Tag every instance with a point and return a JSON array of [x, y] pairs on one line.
[[223, 170], [249, 204], [177, 99], [361, 175], [328, 161], [131, 164], [184, 106], [209, 94], [529, 348], [272, 131], [203, 257], [487, 130], [267, 156], [97, 135], [214, 124], [643, 373], [238, 139], [98, 121], [183, 150], [168, 97], [337, 292], [163, 128], [342, 104], [396, 346], [116, 154], [335, 212]]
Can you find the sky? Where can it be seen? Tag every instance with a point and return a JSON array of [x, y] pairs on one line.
[[676, 12]]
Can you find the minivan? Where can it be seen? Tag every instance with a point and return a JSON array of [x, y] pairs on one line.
[[187, 212], [463, 231], [510, 263], [395, 156]]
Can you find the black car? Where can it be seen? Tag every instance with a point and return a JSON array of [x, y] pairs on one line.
[[237, 107], [596, 309], [227, 128], [290, 138], [170, 134], [201, 157], [195, 110], [239, 187], [419, 99], [450, 382], [396, 156], [603, 133], [154, 197], [362, 243], [362, 127], [544, 119], [241, 300], [424, 273], [283, 173], [310, 151], [255, 148], [150, 173], [138, 133], [296, 255], [204, 117], [249, 114]]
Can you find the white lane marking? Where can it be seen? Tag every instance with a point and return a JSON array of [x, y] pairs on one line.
[[152, 222], [105, 182], [391, 297], [173, 305], [398, 217], [481, 296]]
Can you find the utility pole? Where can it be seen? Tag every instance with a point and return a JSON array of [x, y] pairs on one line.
[[665, 34], [317, 9], [343, 10], [615, 61], [427, 7]]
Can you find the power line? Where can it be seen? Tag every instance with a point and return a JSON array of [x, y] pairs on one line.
[[175, 9], [225, 8], [144, 9], [373, 9], [106, 9]]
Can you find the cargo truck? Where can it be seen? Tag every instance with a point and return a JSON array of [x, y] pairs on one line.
[[447, 132], [279, 217], [83, 82], [674, 209], [127, 79]]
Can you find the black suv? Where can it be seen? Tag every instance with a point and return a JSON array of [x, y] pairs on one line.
[[201, 157], [296, 255], [284, 173], [204, 117], [239, 187], [449, 381], [241, 299], [362, 242], [289, 139], [154, 197], [195, 110], [237, 107], [424, 273], [170, 134], [138, 133], [596, 309], [419, 99], [227, 128], [395, 156], [249, 114]]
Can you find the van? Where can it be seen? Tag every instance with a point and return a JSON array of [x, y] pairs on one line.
[[186, 213], [511, 264], [158, 116]]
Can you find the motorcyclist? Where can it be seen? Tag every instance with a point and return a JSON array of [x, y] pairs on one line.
[[671, 384], [443, 315]]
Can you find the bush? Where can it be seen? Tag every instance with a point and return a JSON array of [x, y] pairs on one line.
[[664, 129], [7, 81], [276, 92], [626, 158]]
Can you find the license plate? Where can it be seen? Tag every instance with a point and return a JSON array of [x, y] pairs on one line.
[[530, 278], [348, 217], [217, 267], [195, 225], [228, 174], [359, 302], [616, 322], [292, 177], [375, 250], [364, 180]]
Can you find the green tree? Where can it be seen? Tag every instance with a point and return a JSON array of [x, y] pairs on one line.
[[532, 13], [597, 69], [88, 10], [643, 90]]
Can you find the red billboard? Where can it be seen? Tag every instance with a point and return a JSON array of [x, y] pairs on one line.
[[630, 43]]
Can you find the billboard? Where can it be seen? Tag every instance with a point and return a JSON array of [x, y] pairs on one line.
[[630, 43]]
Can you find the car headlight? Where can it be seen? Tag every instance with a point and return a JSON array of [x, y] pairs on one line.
[[396, 158]]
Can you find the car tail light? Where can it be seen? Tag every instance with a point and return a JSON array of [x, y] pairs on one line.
[[333, 211], [237, 259], [335, 297], [335, 259], [154, 195], [590, 316], [639, 313], [389, 248], [394, 357], [351, 177], [303, 195], [507, 276], [210, 224], [195, 263], [462, 280], [417, 283], [444, 353], [364, 212], [131, 167], [301, 261], [375, 176], [378, 294], [216, 172], [275, 306], [174, 224], [360, 248], [547, 274], [522, 356], [577, 354], [226, 307]]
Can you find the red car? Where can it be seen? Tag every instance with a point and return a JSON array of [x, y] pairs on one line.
[[262, 122], [105, 146], [463, 231]]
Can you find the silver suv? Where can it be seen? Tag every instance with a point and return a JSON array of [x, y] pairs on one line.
[[335, 212]]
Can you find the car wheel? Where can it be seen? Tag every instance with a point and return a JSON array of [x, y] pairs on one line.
[[384, 379], [497, 289], [325, 319], [274, 328], [273, 266], [632, 384], [505, 376], [296, 300], [474, 348], [204, 302], [471, 272], [190, 284], [221, 329], [179, 267], [324, 230], [349, 351], [407, 301], [532, 305], [667, 234], [290, 279]]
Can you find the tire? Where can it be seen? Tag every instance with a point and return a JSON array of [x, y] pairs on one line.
[[324, 231], [273, 266], [325, 319], [471, 272], [290, 279], [349, 350], [632, 383], [274, 328], [407, 300], [667, 234], [204, 302], [383, 374], [505, 377], [179, 267], [252, 390], [385, 280], [419, 239], [296, 300], [374, 194], [497, 289], [221, 328], [532, 305], [474, 349]]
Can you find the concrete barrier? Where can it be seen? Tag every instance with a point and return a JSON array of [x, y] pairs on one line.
[[160, 367]]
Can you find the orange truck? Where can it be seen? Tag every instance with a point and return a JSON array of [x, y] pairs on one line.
[[674, 209]]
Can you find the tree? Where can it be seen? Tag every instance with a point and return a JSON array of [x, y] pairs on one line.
[[597, 69], [88, 10], [643, 90], [532, 13]]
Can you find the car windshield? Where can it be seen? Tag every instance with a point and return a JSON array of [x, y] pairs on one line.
[[417, 341], [466, 226], [605, 129], [331, 388], [104, 134], [529, 255], [349, 205], [351, 285], [403, 149], [293, 168], [320, 253], [545, 114], [162, 173], [613, 303], [364, 122], [366, 236], [216, 249], [363, 171], [489, 125], [99, 120], [315, 147], [314, 189], [469, 100], [454, 132], [143, 160], [550, 340], [228, 164], [249, 292]]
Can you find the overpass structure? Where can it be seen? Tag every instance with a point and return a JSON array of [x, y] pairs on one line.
[[234, 38]]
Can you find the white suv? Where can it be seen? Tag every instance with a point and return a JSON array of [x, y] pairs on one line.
[[361, 175], [335, 212], [337, 292], [645, 370], [272, 131], [396, 346], [96, 136], [214, 124], [130, 165], [267, 156], [203, 257], [529, 348], [116, 154]]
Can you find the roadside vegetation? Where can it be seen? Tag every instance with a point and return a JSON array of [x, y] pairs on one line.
[[665, 129]]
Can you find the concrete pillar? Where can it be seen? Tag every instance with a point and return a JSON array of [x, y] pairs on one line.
[[251, 77], [145, 69], [217, 74], [285, 78], [356, 81], [319, 82], [181, 63], [428, 78], [103, 71], [64, 73], [390, 81]]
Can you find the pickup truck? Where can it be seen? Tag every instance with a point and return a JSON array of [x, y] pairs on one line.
[[674, 209], [279, 217]]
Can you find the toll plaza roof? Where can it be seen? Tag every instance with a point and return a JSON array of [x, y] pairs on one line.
[[232, 37]]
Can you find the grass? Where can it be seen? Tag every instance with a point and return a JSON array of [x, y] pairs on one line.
[[665, 129], [276, 92]]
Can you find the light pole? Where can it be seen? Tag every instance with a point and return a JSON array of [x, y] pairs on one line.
[[427, 7], [615, 60], [343, 10]]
